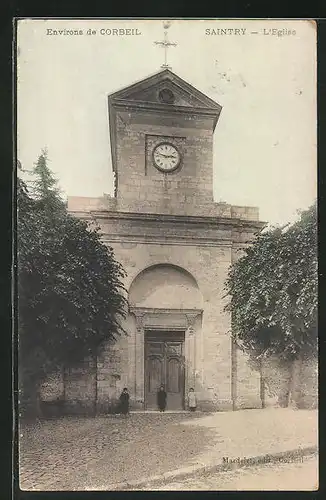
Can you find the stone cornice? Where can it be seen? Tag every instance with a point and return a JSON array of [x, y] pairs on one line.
[[169, 240], [141, 311], [151, 229], [180, 319], [197, 220], [161, 108]]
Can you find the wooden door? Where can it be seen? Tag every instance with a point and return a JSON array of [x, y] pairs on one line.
[[154, 372], [164, 365], [174, 379]]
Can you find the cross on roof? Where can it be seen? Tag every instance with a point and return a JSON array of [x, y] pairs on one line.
[[166, 44]]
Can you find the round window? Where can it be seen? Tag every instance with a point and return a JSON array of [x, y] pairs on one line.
[[166, 96]]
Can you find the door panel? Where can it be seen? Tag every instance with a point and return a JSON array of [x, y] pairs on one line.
[[173, 375], [155, 348], [174, 383], [154, 376], [155, 373], [174, 348]]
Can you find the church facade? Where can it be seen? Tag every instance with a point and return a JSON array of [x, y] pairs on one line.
[[176, 245]]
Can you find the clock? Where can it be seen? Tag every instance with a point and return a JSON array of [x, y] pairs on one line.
[[166, 157]]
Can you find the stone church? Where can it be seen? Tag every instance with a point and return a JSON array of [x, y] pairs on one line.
[[176, 245]]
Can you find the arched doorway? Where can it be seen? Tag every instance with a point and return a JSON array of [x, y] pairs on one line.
[[167, 298]]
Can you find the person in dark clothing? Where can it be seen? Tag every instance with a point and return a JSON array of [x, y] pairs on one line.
[[124, 402], [161, 398]]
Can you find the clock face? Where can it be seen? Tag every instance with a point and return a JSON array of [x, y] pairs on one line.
[[166, 157]]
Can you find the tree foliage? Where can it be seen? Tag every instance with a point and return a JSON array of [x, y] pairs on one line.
[[70, 292], [273, 291]]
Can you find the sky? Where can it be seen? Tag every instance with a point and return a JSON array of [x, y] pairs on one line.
[[264, 143]]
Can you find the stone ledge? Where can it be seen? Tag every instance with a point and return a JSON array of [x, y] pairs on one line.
[[214, 220]]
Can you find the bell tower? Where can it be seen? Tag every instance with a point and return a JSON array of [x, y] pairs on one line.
[[161, 131]]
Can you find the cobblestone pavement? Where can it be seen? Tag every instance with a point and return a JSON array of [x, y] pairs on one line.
[[295, 476], [94, 453], [87, 454]]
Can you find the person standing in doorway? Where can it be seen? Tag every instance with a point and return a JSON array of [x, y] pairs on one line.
[[124, 402], [161, 398], [192, 401]]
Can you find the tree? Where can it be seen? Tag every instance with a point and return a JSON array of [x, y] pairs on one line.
[[273, 292], [70, 292]]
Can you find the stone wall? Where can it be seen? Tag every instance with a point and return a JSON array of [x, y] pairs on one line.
[[111, 376], [309, 384], [80, 388], [294, 383], [248, 384], [71, 390]]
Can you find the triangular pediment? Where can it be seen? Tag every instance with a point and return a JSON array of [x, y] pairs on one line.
[[152, 90]]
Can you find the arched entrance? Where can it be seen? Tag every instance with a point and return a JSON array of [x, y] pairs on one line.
[[165, 300]]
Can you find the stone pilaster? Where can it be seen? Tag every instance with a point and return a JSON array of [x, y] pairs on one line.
[[139, 357], [191, 349]]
